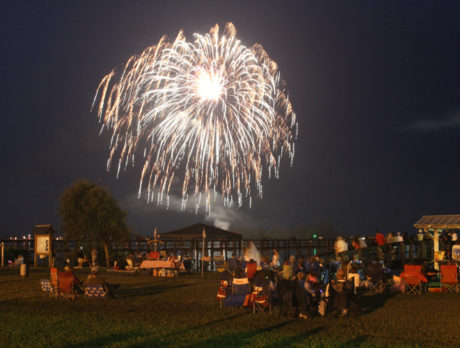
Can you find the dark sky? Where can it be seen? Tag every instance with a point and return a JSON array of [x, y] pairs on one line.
[[375, 86]]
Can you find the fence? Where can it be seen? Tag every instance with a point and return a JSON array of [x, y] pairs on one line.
[[224, 249]]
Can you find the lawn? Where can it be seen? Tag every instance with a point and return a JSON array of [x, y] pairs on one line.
[[183, 312]]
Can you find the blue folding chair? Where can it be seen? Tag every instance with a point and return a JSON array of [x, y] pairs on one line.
[[240, 289], [220, 265], [47, 288], [95, 291]]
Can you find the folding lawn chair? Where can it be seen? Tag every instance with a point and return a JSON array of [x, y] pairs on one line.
[[412, 279], [47, 288], [220, 265], [232, 265], [226, 279], [66, 284], [375, 277], [95, 291], [449, 279], [251, 269], [261, 296], [240, 290]]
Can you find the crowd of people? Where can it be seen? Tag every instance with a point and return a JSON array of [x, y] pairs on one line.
[[386, 246], [322, 285]]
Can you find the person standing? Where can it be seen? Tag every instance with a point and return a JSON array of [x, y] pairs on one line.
[[380, 241], [340, 248], [276, 259], [357, 247]]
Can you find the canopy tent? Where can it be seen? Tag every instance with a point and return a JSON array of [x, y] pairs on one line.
[[195, 232], [443, 222]]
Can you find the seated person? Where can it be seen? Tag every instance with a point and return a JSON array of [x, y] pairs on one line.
[[264, 263], [76, 282], [129, 264], [353, 269], [307, 295], [85, 262], [94, 279], [375, 271], [340, 294], [287, 272], [251, 269]]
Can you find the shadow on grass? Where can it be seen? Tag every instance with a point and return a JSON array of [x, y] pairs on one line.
[[289, 341], [370, 303], [107, 340], [147, 290], [238, 339], [355, 342]]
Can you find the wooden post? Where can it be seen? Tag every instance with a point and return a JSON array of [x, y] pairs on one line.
[[202, 254], [3, 254], [402, 253], [195, 255]]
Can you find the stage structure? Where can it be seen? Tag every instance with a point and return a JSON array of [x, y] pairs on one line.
[[191, 238], [437, 224]]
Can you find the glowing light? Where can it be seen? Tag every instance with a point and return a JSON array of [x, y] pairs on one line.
[[209, 86], [206, 116]]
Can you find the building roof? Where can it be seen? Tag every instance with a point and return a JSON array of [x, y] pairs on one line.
[[43, 229], [444, 222], [196, 232]]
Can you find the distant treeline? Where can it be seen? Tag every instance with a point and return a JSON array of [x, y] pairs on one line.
[[324, 229]]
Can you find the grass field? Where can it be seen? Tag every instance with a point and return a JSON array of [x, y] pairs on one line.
[[183, 312]]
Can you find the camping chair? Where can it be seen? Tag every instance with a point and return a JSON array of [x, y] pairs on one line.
[[251, 269], [47, 288], [261, 296], [66, 284], [226, 279], [375, 277], [240, 290], [220, 265], [95, 291], [412, 279], [449, 278], [231, 265]]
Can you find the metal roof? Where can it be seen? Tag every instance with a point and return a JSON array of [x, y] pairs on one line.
[[196, 231], [43, 229], [444, 222]]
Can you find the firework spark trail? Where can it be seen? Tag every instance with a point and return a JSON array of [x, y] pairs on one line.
[[211, 109]]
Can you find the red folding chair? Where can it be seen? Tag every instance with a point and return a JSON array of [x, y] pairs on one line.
[[413, 279], [251, 269], [449, 278], [66, 284]]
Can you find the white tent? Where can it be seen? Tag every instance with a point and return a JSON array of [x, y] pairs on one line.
[[252, 253]]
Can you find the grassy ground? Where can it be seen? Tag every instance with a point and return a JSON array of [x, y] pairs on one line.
[[183, 312]]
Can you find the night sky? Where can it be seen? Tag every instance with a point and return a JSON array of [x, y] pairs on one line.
[[375, 86]]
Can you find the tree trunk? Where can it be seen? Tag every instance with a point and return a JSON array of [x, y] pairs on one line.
[[107, 256]]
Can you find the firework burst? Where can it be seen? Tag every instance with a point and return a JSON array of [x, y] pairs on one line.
[[209, 114]]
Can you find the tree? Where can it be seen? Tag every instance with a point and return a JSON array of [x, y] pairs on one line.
[[88, 211]]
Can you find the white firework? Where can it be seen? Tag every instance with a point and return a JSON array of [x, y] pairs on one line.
[[211, 113]]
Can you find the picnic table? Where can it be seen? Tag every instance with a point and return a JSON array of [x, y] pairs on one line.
[[151, 264]]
